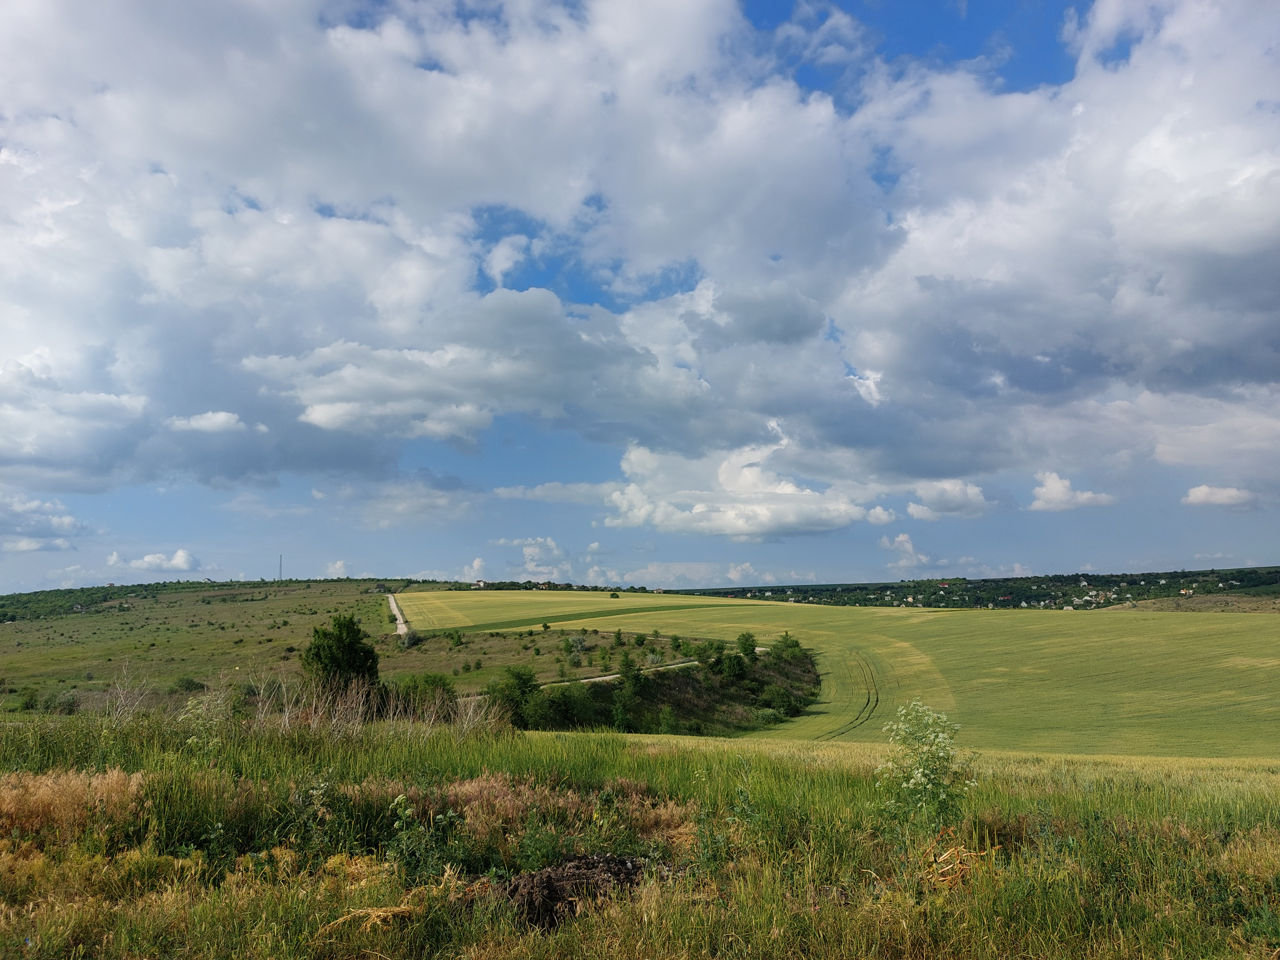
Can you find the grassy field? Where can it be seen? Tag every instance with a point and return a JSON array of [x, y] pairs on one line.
[[206, 837], [1118, 681], [1107, 682], [251, 629]]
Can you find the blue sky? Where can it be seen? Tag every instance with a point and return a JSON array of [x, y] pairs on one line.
[[675, 293]]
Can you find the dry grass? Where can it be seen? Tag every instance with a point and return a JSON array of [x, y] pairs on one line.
[[61, 805]]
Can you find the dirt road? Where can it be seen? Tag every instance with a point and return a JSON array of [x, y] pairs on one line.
[[401, 627]]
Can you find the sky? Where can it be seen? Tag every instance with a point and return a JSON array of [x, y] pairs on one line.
[[678, 293]]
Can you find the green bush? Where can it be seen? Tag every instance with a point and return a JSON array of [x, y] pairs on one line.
[[777, 697], [339, 654], [66, 703], [427, 693], [786, 648], [512, 691]]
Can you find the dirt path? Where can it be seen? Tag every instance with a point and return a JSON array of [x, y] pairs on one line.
[[679, 664], [401, 627]]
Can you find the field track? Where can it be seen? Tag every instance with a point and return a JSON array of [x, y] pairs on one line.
[[1107, 682]]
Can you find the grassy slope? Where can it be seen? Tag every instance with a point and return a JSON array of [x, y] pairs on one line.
[[1118, 682], [1129, 681], [229, 629]]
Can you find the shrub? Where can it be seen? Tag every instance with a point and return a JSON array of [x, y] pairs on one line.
[[65, 703], [786, 648], [186, 685], [734, 668], [340, 654], [777, 697], [511, 691], [430, 694], [710, 654], [667, 722], [923, 781]]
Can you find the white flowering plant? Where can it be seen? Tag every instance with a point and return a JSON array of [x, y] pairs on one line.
[[923, 781]]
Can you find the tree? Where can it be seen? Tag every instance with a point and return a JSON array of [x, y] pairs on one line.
[[340, 654], [512, 692]]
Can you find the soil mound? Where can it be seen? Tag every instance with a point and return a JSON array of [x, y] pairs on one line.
[[548, 896]]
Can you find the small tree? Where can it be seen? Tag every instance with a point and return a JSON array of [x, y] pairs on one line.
[[923, 781], [512, 692], [340, 654]]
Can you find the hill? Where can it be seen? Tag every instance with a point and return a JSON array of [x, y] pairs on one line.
[[1124, 680], [1106, 682]]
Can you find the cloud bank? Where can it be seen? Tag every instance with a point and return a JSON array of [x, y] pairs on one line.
[[299, 240]]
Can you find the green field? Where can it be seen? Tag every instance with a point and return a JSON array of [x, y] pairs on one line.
[[1119, 681], [1103, 682], [227, 631]]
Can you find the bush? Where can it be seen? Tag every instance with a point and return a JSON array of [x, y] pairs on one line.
[[186, 685], [340, 654], [786, 648], [777, 697], [512, 691], [427, 693], [65, 703], [710, 654], [734, 668], [923, 781]]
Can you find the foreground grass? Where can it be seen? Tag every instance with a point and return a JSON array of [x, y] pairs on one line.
[[212, 837]]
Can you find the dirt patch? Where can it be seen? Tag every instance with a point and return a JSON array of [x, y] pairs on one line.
[[549, 896]]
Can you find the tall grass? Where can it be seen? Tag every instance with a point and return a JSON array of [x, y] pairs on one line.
[[225, 833]]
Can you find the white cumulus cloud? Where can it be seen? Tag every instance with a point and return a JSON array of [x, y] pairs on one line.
[[213, 421], [730, 493], [908, 557], [1055, 493], [953, 497], [180, 561], [1205, 495]]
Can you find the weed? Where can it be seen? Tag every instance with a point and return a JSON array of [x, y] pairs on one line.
[[923, 780]]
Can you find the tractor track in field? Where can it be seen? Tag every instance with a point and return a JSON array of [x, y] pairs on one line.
[[869, 705]]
